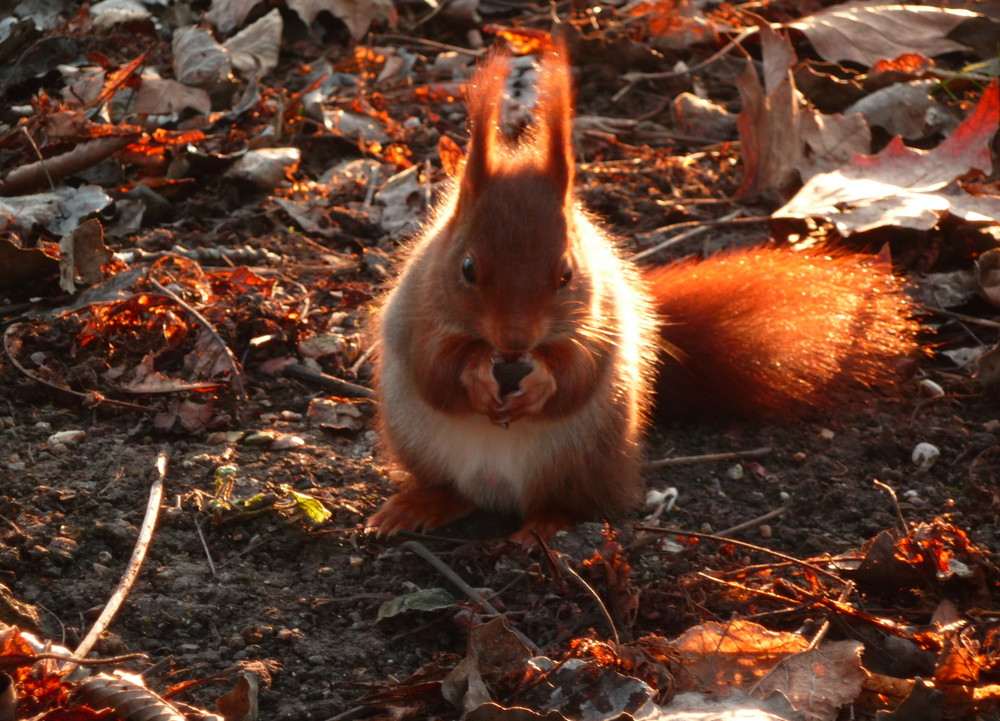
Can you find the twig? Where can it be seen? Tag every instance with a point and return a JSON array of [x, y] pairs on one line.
[[356, 367], [31, 177], [962, 317], [644, 539], [895, 501], [203, 321], [564, 565], [407, 40], [845, 593], [631, 79], [134, 564], [204, 545], [744, 544], [327, 382], [89, 399], [16, 660], [697, 227], [776, 513], [709, 457], [425, 553], [350, 713]]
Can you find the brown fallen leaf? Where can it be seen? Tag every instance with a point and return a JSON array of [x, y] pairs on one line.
[[905, 186], [867, 32]]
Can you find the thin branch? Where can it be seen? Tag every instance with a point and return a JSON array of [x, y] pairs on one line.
[[134, 564]]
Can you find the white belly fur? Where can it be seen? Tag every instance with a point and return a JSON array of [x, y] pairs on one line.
[[488, 464]]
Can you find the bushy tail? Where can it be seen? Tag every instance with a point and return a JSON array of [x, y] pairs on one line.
[[770, 332]]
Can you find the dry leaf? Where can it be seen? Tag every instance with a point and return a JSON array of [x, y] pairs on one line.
[[868, 32], [905, 186], [721, 656], [254, 50], [821, 681], [769, 120], [227, 15], [358, 15]]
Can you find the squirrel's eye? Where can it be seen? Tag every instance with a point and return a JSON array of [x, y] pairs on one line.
[[469, 271], [566, 277]]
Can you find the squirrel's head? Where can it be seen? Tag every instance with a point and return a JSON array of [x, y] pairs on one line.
[[511, 250]]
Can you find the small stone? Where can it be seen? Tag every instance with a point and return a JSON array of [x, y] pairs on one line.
[[260, 438], [16, 465], [827, 435], [735, 472], [930, 389], [355, 561], [705, 528], [785, 496], [992, 426], [43, 426], [216, 438], [69, 438], [58, 449], [285, 443], [765, 531], [799, 458], [925, 455]]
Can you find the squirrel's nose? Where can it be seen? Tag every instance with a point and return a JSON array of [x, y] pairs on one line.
[[515, 341]]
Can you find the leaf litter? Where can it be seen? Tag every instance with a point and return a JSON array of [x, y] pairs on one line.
[[190, 208]]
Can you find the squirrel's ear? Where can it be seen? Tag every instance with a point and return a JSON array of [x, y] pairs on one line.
[[484, 95], [555, 115]]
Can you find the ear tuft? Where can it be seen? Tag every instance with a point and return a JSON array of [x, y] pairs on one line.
[[484, 96], [555, 115]]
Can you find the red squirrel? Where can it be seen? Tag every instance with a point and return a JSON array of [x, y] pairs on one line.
[[513, 278]]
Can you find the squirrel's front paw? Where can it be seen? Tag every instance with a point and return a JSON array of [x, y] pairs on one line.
[[531, 396], [482, 387]]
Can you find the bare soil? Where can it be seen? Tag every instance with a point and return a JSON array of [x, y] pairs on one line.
[[225, 586]]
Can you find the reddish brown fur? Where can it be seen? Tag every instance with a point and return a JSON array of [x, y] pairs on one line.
[[771, 332], [758, 331]]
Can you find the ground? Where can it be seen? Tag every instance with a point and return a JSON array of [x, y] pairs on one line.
[[235, 587], [225, 584]]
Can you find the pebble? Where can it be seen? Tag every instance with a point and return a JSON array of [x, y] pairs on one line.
[[765, 531], [69, 438], [930, 389], [827, 435], [260, 438], [58, 449], [285, 443], [925, 455], [735, 472]]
